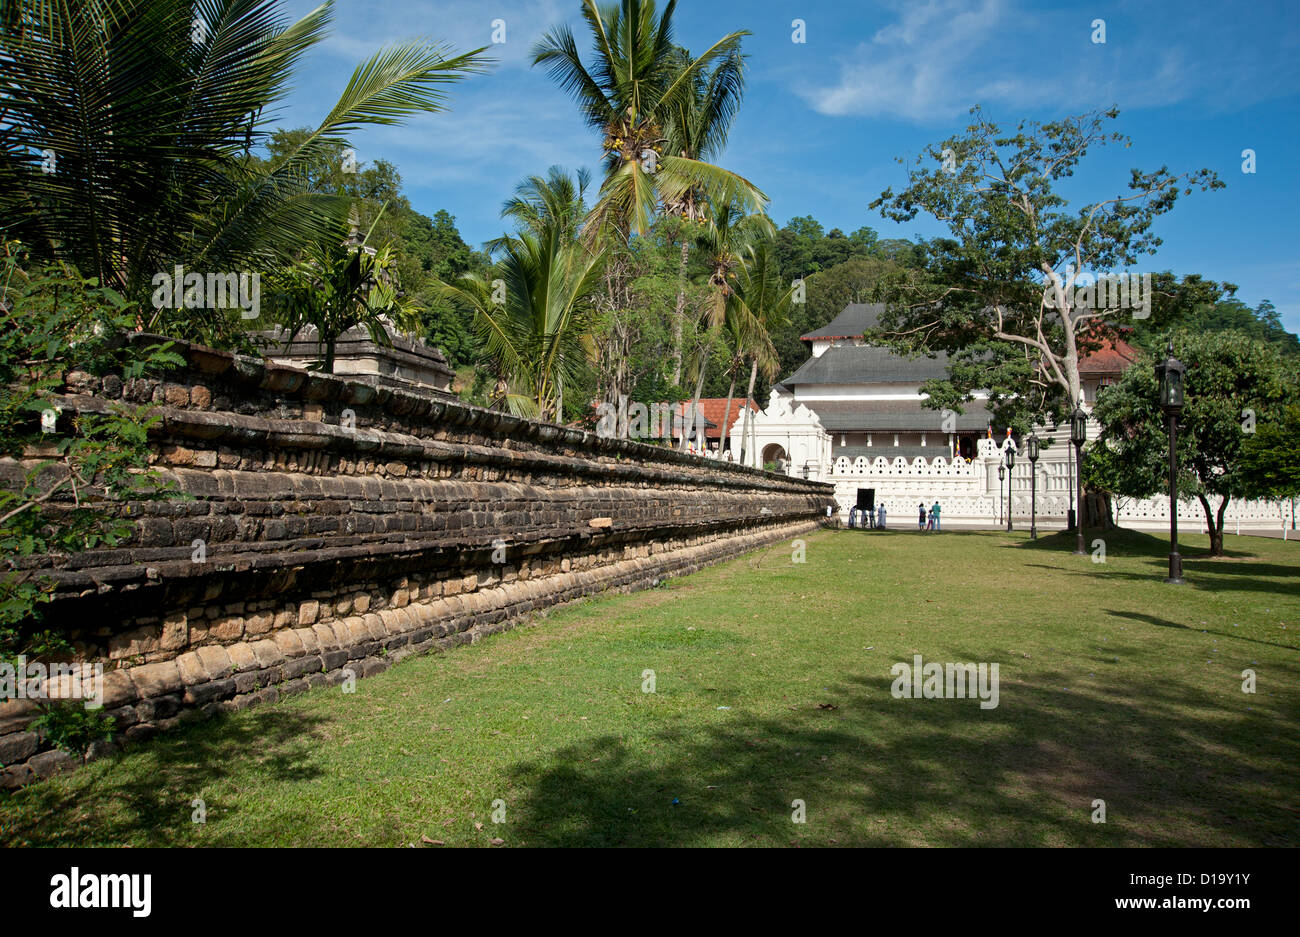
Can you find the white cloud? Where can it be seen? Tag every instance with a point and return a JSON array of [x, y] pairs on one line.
[[940, 57]]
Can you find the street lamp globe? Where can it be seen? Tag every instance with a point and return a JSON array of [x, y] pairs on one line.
[[1033, 447]]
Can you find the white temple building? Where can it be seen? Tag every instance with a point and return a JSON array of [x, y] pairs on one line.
[[853, 414]]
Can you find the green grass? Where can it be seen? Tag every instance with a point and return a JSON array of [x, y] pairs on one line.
[[1114, 686]]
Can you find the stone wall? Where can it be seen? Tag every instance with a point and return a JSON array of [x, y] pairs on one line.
[[322, 527]]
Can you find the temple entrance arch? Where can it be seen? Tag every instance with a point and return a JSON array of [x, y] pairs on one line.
[[774, 454]]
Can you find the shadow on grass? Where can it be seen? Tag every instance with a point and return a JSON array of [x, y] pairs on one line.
[[1165, 623], [883, 771], [1129, 542], [149, 796]]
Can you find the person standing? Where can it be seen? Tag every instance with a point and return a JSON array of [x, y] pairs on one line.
[[934, 514], [920, 517], [880, 516]]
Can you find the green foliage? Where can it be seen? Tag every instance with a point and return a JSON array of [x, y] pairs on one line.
[[72, 727], [151, 108], [1232, 382], [56, 322], [336, 285], [1270, 459], [642, 93], [804, 248], [1006, 268], [533, 318]]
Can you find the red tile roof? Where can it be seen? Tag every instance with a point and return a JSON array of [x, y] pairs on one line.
[[1112, 357], [713, 410]]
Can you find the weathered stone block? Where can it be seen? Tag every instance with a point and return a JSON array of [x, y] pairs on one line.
[[227, 629], [17, 747], [310, 643], [267, 652], [47, 764], [208, 692], [334, 659], [216, 661], [157, 679], [325, 637], [118, 688], [258, 623], [246, 682], [289, 643], [308, 612], [242, 657], [135, 643], [303, 665], [192, 669]]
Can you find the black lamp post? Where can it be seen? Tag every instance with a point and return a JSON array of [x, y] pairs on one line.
[[1002, 473], [1033, 486], [1078, 436], [1011, 464], [1169, 375]]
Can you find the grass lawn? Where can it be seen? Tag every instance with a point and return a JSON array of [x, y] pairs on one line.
[[773, 684]]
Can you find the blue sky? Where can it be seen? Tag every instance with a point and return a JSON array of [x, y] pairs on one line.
[[825, 120]]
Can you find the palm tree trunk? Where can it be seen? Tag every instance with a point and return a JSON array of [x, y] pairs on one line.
[[726, 418], [329, 341], [680, 312], [749, 410], [695, 404]]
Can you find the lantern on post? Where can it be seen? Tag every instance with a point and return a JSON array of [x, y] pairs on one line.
[[1078, 436], [1170, 375], [1011, 465], [1033, 486], [1002, 474]]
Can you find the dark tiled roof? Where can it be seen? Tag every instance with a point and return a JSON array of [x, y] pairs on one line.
[[851, 323], [867, 364], [892, 415]]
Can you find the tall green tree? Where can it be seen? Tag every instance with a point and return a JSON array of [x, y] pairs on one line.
[[759, 303], [533, 317], [1234, 386], [697, 127], [129, 124], [725, 239], [634, 94], [1004, 283], [635, 90]]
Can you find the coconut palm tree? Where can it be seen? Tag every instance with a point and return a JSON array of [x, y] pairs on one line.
[[697, 127], [727, 237], [539, 203], [760, 302], [128, 123], [635, 90], [533, 318]]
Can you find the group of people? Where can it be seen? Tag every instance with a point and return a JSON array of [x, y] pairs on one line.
[[867, 518], [927, 520]]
